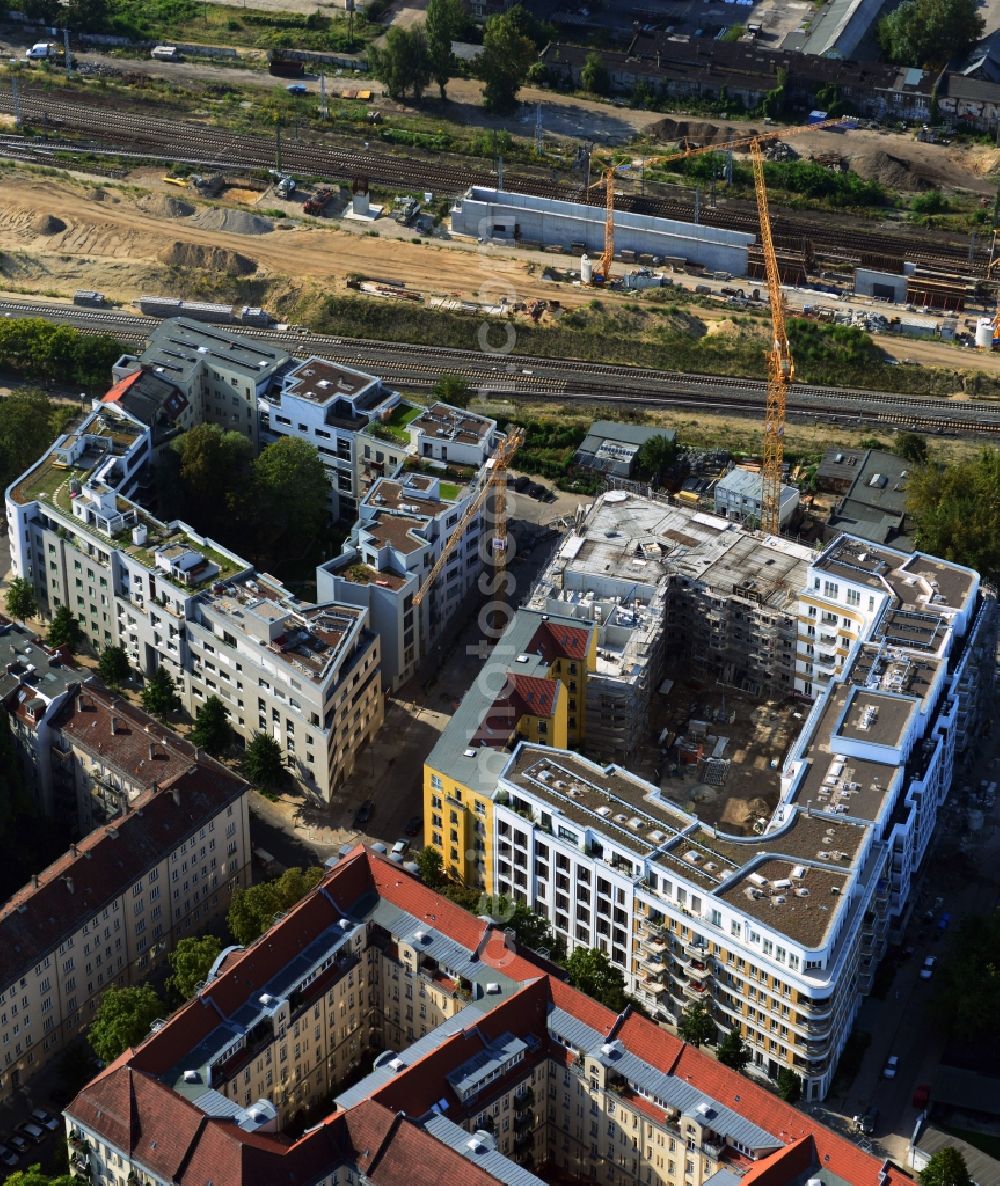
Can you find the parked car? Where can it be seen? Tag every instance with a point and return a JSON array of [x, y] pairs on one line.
[[414, 826], [18, 1143], [45, 1119], [944, 922], [33, 1132], [363, 814], [922, 1096], [7, 1156], [400, 847], [891, 1067], [927, 971], [297, 88], [868, 1120]]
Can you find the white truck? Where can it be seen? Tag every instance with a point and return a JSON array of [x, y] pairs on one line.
[[165, 53], [41, 51]]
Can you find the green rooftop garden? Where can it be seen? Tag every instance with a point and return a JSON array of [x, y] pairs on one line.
[[449, 491], [397, 423]]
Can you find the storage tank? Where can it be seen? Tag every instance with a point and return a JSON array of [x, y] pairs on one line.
[[984, 334], [586, 270]]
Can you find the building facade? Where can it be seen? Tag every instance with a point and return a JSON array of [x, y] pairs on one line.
[[778, 930], [305, 674], [109, 910], [489, 1069]]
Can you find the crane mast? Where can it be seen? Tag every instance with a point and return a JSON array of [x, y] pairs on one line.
[[781, 368]]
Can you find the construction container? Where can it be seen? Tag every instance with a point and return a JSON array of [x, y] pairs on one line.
[[984, 334], [586, 270]]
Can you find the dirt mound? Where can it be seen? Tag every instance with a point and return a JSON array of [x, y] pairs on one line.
[[235, 222], [96, 195], [696, 131], [888, 171], [165, 206], [215, 259], [47, 224], [741, 813]]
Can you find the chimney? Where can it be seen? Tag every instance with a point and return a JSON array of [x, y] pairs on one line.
[[34, 881], [114, 724], [152, 750], [73, 852], [176, 792], [69, 883]]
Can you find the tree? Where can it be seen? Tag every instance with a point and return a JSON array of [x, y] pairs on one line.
[[592, 972], [212, 731], [292, 494], [504, 63], [404, 63], [453, 389], [594, 76], [696, 1024], [966, 1003], [445, 19], [123, 1019], [530, 929], [33, 1176], [159, 696], [655, 456], [64, 629], [732, 1051], [252, 910], [190, 962], [213, 481], [431, 867], [946, 1167], [20, 599], [789, 1085], [957, 512], [930, 32], [912, 447], [113, 666], [263, 764]]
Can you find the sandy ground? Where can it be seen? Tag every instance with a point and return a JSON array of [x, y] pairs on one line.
[[113, 243]]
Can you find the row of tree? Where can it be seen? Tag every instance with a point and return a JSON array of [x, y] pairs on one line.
[[412, 58], [273, 508], [44, 350]]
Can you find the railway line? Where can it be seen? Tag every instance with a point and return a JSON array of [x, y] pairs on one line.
[[567, 381], [133, 132]]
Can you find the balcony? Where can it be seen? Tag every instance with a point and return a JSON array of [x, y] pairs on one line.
[[654, 967], [523, 1121], [696, 991], [652, 943], [653, 929], [523, 1140], [649, 985], [524, 1098], [698, 970]]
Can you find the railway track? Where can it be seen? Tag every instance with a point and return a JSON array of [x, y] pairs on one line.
[[134, 132], [569, 381]]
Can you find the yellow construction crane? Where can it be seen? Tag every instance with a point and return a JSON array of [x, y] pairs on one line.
[[781, 368], [496, 483], [608, 176]]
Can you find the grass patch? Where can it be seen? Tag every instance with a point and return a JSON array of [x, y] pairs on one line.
[[656, 332], [449, 491], [397, 423]]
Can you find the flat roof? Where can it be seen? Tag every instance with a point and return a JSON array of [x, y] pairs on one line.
[[444, 421], [320, 381], [879, 718], [798, 900], [919, 581]]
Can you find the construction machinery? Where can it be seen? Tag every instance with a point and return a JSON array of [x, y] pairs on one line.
[[495, 484], [608, 176], [781, 368]]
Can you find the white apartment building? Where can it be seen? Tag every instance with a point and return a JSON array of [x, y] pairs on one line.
[[327, 405], [109, 910], [780, 932], [403, 525], [305, 674]]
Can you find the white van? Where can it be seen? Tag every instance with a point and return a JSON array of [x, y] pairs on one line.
[[165, 53], [40, 52]]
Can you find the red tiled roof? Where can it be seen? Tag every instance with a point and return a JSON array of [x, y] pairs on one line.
[[521, 695], [555, 640], [115, 393], [134, 1112]]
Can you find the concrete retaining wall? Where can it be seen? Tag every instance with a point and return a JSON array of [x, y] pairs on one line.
[[504, 217]]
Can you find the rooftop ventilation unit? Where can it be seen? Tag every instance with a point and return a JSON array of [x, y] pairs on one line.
[[192, 1077]]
